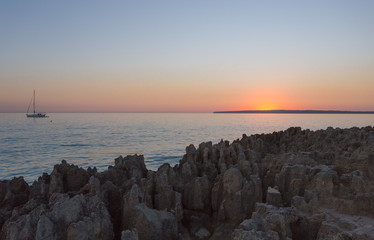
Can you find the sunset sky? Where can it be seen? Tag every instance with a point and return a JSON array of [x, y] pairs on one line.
[[186, 56]]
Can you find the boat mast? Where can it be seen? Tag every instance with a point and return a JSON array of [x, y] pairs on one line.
[[34, 101]]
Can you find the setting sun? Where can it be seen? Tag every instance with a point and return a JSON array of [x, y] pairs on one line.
[[267, 106], [270, 99]]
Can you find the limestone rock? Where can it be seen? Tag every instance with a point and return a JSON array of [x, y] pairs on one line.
[[255, 228], [154, 224], [22, 227], [273, 197], [197, 194], [340, 226], [133, 165], [202, 234], [129, 235], [13, 193]]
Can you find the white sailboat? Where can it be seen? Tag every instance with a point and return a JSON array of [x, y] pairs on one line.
[[34, 114]]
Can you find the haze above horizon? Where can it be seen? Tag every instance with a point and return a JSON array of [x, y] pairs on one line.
[[175, 56]]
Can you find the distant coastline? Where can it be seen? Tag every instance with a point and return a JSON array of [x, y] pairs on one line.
[[299, 112]]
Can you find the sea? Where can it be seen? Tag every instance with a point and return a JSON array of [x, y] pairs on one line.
[[30, 147]]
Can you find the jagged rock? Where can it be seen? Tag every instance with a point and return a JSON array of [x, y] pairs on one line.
[[95, 223], [3, 191], [76, 178], [129, 235], [93, 227], [4, 215], [256, 188], [287, 222], [202, 234], [197, 194], [67, 210], [194, 221], [291, 181], [154, 224], [40, 189], [22, 227], [13, 193], [340, 226], [255, 228], [78, 217], [273, 197], [133, 165], [130, 200], [235, 204], [46, 229], [111, 197], [191, 150], [56, 184], [189, 170], [66, 177], [319, 190], [115, 175], [232, 181], [165, 197]]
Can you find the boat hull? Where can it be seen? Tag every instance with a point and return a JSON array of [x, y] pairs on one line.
[[37, 115]]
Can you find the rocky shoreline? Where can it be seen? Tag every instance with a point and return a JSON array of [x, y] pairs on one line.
[[293, 184]]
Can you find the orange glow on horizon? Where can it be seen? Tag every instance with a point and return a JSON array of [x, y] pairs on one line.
[[151, 94], [270, 99], [267, 106]]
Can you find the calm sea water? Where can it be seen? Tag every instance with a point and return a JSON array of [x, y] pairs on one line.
[[29, 147]]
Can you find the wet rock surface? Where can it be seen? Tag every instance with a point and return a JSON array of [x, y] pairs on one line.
[[293, 184]]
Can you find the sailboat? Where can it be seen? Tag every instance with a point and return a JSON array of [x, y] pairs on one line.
[[34, 114]]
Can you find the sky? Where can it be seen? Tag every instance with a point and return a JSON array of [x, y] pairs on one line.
[[186, 56]]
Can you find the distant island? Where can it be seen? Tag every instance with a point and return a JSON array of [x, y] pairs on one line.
[[299, 111]]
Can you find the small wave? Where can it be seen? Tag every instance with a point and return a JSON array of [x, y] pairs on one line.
[[158, 159], [74, 145]]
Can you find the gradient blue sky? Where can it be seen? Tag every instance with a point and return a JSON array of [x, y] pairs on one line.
[[186, 56]]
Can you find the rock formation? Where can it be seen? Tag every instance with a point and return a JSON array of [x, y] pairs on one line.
[[293, 184]]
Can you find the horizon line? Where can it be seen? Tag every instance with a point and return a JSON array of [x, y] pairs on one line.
[[229, 111], [114, 112], [305, 111]]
